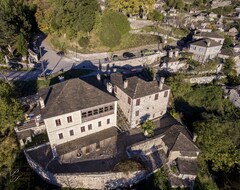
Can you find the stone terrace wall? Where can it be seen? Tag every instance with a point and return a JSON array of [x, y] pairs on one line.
[[85, 180]]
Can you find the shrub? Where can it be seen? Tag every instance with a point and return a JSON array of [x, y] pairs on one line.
[[83, 41], [113, 26]]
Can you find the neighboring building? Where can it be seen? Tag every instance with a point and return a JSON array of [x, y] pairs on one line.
[[204, 49], [209, 35], [229, 53], [171, 62], [233, 32], [139, 99]]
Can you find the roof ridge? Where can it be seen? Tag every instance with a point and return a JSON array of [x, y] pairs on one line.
[[135, 90]]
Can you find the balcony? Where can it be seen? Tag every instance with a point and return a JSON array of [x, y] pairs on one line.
[[99, 115]]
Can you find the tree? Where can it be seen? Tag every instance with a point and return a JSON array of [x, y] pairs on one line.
[[132, 7], [15, 18], [227, 42], [113, 26], [83, 41], [161, 179], [228, 68], [10, 113], [148, 128], [219, 150], [21, 45], [73, 16]]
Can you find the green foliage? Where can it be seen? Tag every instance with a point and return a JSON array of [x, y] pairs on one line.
[[10, 109], [219, 140], [16, 18], [83, 41], [131, 6], [178, 4], [21, 45], [161, 179], [156, 16], [227, 42], [127, 166], [10, 113], [229, 69], [72, 16], [216, 122], [114, 25], [148, 126]]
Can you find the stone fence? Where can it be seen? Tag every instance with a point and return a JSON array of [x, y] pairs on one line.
[[104, 180], [204, 80]]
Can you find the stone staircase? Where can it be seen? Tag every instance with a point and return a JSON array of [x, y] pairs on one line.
[[122, 121]]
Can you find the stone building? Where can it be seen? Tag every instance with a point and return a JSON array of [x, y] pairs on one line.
[[204, 49], [139, 99]]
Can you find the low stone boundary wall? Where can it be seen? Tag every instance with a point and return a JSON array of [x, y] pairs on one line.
[[203, 80], [86, 180]]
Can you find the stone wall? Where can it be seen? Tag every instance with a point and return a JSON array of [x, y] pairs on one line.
[[203, 80], [87, 180]]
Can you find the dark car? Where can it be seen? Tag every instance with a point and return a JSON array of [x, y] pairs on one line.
[[15, 66], [128, 55], [60, 53]]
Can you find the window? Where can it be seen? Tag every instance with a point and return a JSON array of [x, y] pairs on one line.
[[137, 113], [95, 112], [69, 119], [90, 113], [60, 136], [156, 97], [111, 107], [58, 122], [100, 110], [138, 102], [84, 114], [99, 124], [106, 109], [115, 89], [129, 100], [165, 93], [98, 146], [90, 127], [108, 121], [71, 132], [82, 129]]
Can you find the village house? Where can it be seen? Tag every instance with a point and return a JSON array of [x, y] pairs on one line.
[[204, 49], [139, 99]]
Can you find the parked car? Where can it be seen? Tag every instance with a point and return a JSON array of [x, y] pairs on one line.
[[128, 55], [146, 52], [115, 58], [15, 66]]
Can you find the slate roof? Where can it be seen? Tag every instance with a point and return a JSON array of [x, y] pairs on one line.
[[182, 143], [209, 35], [204, 43], [177, 138], [229, 52], [137, 87], [86, 140], [187, 166], [73, 95]]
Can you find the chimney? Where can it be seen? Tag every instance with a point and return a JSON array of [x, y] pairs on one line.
[[161, 82], [98, 77], [208, 43], [41, 102], [176, 53], [170, 54], [194, 137], [109, 87], [125, 83]]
